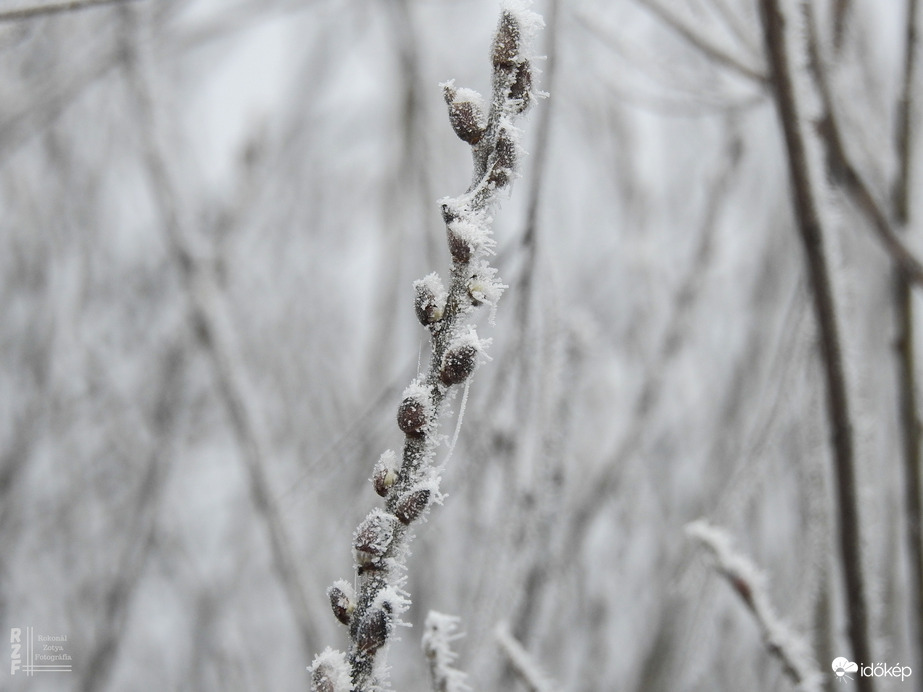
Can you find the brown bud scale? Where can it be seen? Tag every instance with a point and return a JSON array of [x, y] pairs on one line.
[[458, 364], [341, 604], [383, 480], [373, 537], [373, 631], [522, 87], [459, 248], [412, 505], [506, 43], [411, 417]]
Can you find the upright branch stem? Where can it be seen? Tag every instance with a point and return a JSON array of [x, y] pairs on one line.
[[411, 484], [905, 346], [805, 199]]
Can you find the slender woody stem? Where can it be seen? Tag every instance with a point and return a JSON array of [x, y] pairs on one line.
[[411, 485], [811, 230]]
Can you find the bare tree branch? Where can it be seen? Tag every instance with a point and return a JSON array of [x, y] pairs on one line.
[[525, 666], [810, 227], [842, 170], [697, 40], [23, 13], [908, 402], [750, 585]]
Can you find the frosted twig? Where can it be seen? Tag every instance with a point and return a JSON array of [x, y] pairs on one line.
[[410, 483], [22, 13], [439, 632], [842, 170], [697, 40], [750, 585], [529, 672], [806, 202], [908, 400]]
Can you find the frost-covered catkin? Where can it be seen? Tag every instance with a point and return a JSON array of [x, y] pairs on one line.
[[330, 672], [409, 481]]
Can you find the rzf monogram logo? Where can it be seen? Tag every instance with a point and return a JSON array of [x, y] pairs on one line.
[[15, 649], [49, 656]]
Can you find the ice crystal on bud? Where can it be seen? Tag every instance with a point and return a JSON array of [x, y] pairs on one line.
[[483, 286], [385, 474], [330, 672], [429, 299], [469, 236]]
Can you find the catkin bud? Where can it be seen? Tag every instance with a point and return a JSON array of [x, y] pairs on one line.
[[504, 160], [458, 363], [385, 474], [342, 600], [411, 416], [505, 150], [429, 299], [373, 538], [330, 672], [373, 631], [521, 90], [465, 113], [459, 247], [412, 504], [505, 53]]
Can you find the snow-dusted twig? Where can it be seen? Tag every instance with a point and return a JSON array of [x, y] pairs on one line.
[[842, 170], [22, 13], [440, 631], [905, 356], [750, 585], [806, 201], [703, 43], [529, 672], [410, 483]]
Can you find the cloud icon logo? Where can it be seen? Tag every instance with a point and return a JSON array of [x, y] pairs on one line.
[[842, 666]]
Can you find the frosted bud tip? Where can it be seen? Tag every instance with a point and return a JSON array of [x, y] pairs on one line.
[[342, 600]]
